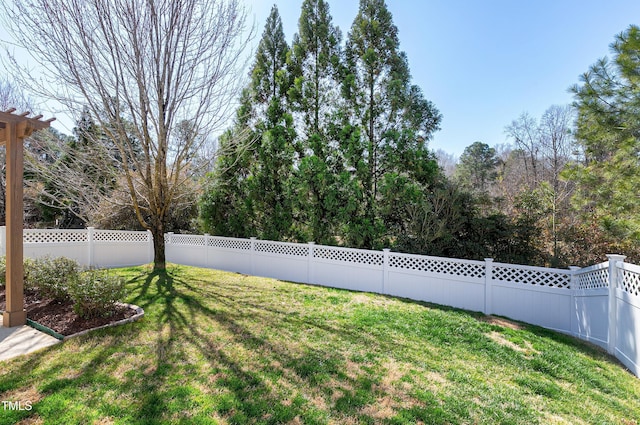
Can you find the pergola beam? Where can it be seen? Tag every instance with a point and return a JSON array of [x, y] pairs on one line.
[[14, 128]]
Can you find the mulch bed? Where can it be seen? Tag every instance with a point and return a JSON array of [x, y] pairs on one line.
[[60, 316]]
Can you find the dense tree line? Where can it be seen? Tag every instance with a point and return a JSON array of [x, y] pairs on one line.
[[330, 144], [333, 137]]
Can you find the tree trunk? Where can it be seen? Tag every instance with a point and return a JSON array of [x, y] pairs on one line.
[[159, 257]]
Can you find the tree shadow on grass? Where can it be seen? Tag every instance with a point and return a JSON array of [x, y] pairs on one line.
[[247, 367]]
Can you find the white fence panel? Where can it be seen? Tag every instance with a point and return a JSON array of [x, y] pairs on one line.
[[189, 250], [591, 304], [539, 306], [280, 260], [354, 269], [229, 254], [120, 248], [69, 243], [89, 247], [456, 283], [628, 317], [536, 295]]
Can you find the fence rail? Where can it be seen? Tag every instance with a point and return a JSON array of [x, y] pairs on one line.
[[600, 303]]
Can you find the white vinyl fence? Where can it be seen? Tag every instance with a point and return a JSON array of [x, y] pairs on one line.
[[89, 247], [600, 304]]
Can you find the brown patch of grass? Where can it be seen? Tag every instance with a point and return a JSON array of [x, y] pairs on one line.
[[30, 394], [104, 421], [557, 420], [31, 420], [500, 321], [383, 409]]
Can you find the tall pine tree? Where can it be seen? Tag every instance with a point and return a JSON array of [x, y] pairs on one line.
[[251, 188], [388, 154], [608, 128], [315, 66], [271, 172]]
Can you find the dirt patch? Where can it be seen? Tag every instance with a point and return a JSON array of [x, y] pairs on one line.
[[60, 316], [500, 321]]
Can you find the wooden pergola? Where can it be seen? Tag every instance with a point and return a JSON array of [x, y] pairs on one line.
[[14, 128]]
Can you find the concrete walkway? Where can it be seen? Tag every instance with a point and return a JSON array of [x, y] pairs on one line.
[[22, 340]]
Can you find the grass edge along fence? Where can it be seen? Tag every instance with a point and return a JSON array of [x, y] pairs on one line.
[[600, 303]]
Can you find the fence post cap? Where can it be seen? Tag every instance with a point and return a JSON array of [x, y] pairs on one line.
[[616, 257], [488, 260], [311, 243], [386, 250]]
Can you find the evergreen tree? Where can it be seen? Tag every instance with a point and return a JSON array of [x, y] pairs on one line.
[[226, 208], [478, 168], [608, 128], [271, 171], [314, 66], [394, 121], [249, 193]]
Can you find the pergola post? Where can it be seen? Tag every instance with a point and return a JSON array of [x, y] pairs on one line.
[[13, 130]]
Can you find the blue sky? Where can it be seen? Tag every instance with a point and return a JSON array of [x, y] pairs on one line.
[[483, 63]]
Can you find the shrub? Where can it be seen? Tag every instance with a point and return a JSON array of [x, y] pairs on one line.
[[95, 292], [28, 265], [52, 276]]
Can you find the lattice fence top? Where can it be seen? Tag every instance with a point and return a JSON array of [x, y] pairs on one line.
[[437, 265], [196, 240], [54, 236], [295, 250], [239, 244], [594, 279], [630, 282], [531, 276], [120, 236], [349, 256]]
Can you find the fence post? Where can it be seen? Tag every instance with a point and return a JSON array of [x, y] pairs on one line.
[[90, 246], [385, 268], [150, 246], [253, 251], [573, 312], [614, 282], [310, 264], [488, 285]]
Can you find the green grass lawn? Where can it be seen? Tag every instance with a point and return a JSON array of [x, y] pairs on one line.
[[218, 347]]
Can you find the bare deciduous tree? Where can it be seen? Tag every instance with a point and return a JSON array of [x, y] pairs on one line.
[[143, 68], [525, 133], [546, 146]]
